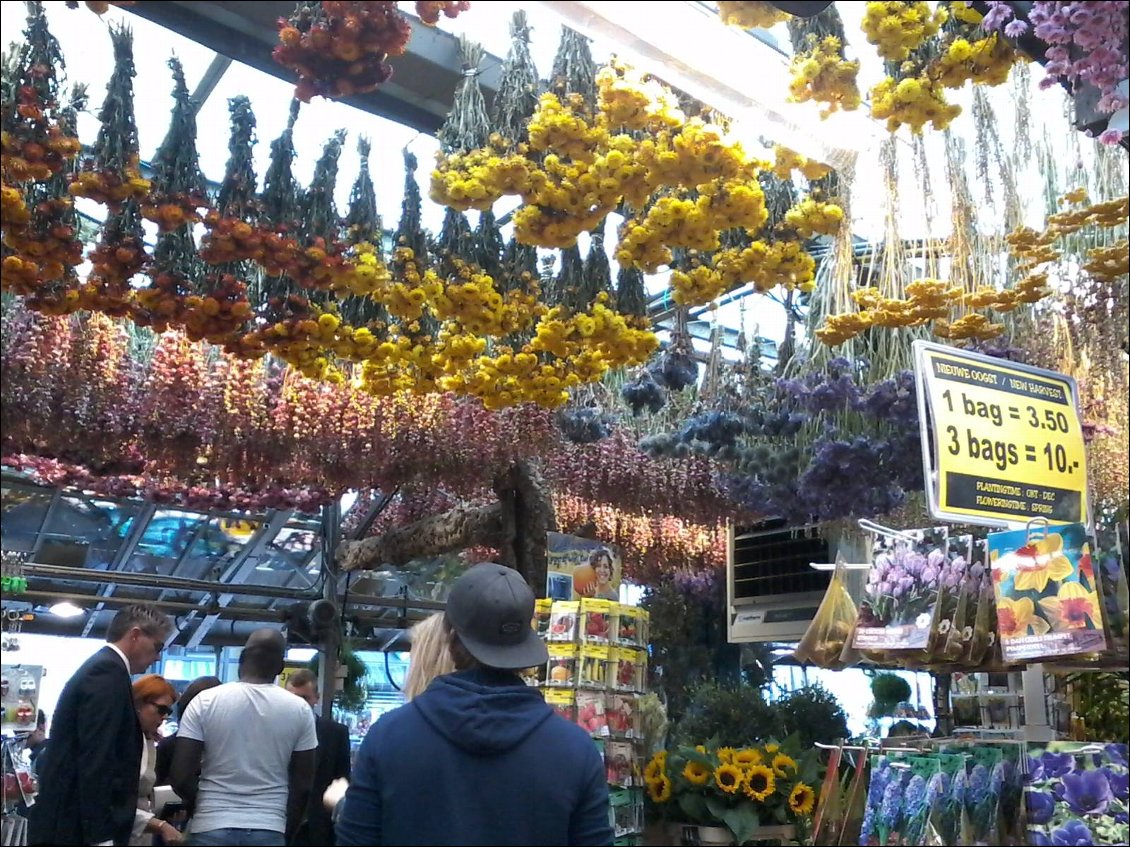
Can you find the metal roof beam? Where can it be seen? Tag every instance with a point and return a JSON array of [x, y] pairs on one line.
[[238, 569], [124, 554]]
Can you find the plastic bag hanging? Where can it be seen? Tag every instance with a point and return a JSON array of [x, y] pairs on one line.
[[830, 629]]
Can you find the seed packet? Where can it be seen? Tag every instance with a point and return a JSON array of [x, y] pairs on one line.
[[561, 669], [984, 778], [624, 814], [563, 618], [639, 666], [923, 791], [623, 716], [591, 715], [901, 598], [625, 669], [1076, 794], [596, 621], [628, 626], [644, 636], [1046, 599], [619, 760], [827, 822], [855, 807], [563, 701], [543, 612], [1108, 561], [595, 671], [948, 817], [959, 554]]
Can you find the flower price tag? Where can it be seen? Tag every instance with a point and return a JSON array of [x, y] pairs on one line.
[[1001, 442]]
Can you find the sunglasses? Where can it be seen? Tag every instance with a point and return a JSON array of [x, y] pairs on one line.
[[163, 710]]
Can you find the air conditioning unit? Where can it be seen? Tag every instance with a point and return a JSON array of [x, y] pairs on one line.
[[771, 591]]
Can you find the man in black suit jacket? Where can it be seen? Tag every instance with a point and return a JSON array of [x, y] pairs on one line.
[[89, 779], [333, 762]]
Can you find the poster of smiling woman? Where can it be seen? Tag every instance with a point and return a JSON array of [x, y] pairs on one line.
[[582, 567], [1047, 594]]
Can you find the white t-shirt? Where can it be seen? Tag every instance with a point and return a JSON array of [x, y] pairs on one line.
[[249, 732]]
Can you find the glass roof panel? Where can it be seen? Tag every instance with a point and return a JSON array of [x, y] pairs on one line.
[[170, 532], [24, 511]]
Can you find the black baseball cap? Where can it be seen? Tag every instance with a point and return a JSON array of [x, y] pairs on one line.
[[490, 607]]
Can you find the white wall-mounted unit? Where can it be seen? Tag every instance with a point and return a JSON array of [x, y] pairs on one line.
[[772, 593]]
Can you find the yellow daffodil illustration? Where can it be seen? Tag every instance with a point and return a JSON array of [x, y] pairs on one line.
[[1039, 562], [1015, 617], [1073, 607]]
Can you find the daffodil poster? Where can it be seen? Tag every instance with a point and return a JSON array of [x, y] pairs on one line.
[[1047, 598]]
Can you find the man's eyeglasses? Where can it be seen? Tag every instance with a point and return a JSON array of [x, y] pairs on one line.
[[163, 710]]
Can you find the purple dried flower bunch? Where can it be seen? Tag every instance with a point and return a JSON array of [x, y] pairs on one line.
[[820, 447], [1087, 43]]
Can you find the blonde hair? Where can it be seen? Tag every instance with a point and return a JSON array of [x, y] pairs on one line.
[[430, 655]]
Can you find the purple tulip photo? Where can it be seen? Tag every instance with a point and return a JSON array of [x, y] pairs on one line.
[[1116, 754], [1119, 784]]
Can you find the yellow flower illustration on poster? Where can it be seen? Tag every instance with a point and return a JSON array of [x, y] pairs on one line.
[[1074, 607], [1046, 598]]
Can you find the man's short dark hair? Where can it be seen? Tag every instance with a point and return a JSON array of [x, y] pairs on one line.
[[150, 619]]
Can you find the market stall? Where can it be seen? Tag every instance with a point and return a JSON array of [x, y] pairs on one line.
[[767, 341]]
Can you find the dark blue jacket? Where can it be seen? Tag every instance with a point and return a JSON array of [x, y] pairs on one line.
[[477, 759]]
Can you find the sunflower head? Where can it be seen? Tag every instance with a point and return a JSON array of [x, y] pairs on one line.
[[696, 773], [654, 770], [729, 778], [725, 755], [772, 749], [783, 765], [747, 757], [760, 783], [659, 790], [802, 799]]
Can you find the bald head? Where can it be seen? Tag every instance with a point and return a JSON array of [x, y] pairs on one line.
[[262, 657]]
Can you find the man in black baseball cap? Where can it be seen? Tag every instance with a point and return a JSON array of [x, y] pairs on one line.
[[446, 767]]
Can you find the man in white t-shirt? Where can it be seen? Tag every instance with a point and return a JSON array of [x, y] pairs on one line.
[[245, 753]]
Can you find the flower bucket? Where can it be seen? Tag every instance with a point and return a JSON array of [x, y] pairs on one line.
[[691, 835]]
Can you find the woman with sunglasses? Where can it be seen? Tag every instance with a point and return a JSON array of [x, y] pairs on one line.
[[153, 696]]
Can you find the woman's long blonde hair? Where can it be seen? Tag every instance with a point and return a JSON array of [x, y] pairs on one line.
[[430, 656]]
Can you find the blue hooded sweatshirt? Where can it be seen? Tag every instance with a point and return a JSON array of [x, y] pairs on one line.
[[477, 759]]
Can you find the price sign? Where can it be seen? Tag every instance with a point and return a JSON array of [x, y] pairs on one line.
[[1003, 444]]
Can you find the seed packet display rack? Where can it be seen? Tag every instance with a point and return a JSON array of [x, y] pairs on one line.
[[596, 673]]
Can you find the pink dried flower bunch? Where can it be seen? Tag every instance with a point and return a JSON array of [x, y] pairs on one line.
[[1087, 43]]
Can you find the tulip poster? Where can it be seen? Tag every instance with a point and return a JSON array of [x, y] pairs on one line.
[[1077, 794], [582, 567], [1047, 596]]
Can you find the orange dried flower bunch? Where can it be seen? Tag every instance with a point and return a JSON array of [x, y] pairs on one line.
[[52, 244], [33, 145], [100, 7], [339, 49], [429, 11], [112, 176]]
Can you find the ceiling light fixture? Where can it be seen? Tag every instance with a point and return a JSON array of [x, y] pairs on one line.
[[66, 609]]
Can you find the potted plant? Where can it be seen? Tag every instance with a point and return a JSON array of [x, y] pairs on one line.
[[727, 795]]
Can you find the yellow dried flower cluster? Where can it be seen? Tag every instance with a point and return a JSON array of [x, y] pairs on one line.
[[914, 102], [813, 217], [1032, 248], [984, 61], [785, 161], [973, 325], [766, 265], [750, 14], [897, 28], [363, 272], [1109, 263], [822, 74]]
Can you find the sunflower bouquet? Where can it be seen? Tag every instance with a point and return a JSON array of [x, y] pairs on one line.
[[742, 789]]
